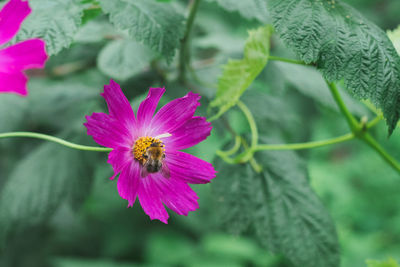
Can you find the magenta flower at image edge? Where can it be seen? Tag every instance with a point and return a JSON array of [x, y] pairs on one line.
[[172, 128], [21, 56]]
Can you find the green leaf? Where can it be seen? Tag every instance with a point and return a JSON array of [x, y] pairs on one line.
[[122, 59], [394, 36], [239, 74], [344, 45], [54, 21], [280, 206], [387, 263], [44, 179], [155, 24], [250, 9]]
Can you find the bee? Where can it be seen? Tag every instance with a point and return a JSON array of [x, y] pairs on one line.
[[154, 160]]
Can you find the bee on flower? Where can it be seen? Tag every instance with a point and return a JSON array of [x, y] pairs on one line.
[[146, 150]]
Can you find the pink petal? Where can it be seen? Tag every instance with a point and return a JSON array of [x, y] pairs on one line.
[[189, 168], [171, 116], [13, 83], [11, 17], [175, 194], [106, 131], [24, 55], [128, 182], [189, 134], [149, 105], [119, 158], [118, 105], [150, 200]]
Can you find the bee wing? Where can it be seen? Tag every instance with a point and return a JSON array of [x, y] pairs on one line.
[[165, 171]]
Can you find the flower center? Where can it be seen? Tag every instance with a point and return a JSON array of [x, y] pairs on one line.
[[141, 145]]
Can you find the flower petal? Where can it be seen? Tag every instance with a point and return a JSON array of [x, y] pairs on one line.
[[149, 105], [119, 158], [189, 168], [106, 131], [171, 116], [13, 83], [189, 134], [118, 105], [24, 55], [11, 17], [150, 201], [176, 194], [128, 182]]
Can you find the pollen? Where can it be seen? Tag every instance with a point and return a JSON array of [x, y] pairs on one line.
[[141, 145]]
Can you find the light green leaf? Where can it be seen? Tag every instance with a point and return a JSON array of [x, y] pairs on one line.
[[54, 21], [387, 263], [45, 178], [344, 45], [155, 24], [280, 206], [250, 9], [239, 74], [122, 59], [394, 36]]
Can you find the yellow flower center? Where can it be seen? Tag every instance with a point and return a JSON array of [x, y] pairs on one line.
[[141, 145]]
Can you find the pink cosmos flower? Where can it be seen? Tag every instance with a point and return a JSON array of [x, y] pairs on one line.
[[146, 150], [19, 57]]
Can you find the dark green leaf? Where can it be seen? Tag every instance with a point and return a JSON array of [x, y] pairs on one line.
[[54, 21], [239, 74], [250, 9], [286, 214], [45, 178], [344, 45], [155, 24]]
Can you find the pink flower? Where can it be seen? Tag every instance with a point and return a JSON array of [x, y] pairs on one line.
[[146, 150], [19, 57]]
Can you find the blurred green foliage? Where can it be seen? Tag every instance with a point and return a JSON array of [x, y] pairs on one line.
[[96, 229]]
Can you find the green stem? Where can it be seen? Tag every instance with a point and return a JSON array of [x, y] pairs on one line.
[[338, 99], [287, 60], [183, 52], [234, 149], [55, 140], [253, 126], [307, 145], [367, 138]]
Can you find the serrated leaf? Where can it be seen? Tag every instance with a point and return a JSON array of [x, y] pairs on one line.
[[250, 9], [122, 59], [40, 182], [155, 24], [394, 36], [233, 190], [387, 263], [239, 74], [290, 218], [54, 21], [280, 206], [344, 45]]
